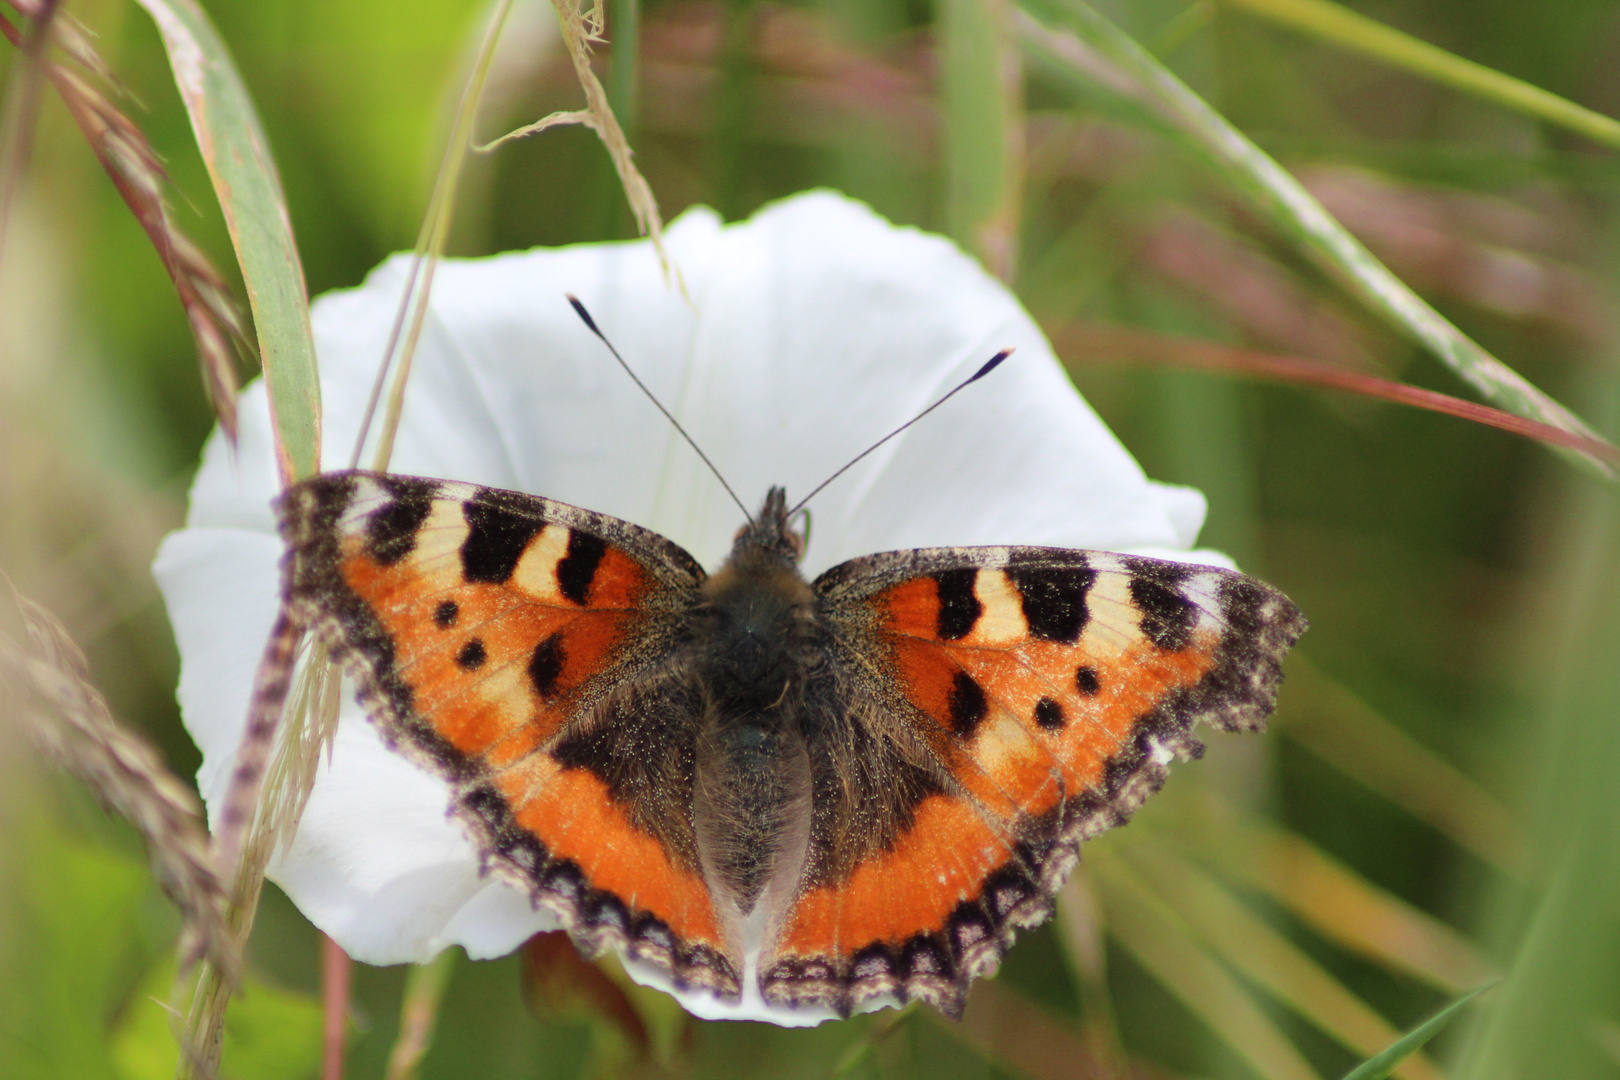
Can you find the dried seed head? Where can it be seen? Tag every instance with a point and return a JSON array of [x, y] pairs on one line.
[[48, 689]]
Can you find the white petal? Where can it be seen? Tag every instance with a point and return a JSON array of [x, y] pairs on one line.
[[811, 331], [222, 590], [378, 864]]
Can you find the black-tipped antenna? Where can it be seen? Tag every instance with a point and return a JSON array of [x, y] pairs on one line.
[[579, 309], [989, 366]]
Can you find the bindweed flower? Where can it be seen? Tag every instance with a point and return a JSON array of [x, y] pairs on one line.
[[811, 330]]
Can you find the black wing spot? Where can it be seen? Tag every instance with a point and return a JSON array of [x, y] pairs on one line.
[[472, 655], [444, 616], [391, 528], [968, 705], [1085, 679], [1054, 599], [496, 537], [959, 609], [577, 568], [1048, 714], [546, 665], [1168, 617]]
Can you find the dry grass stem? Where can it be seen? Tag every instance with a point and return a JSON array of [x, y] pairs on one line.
[[21, 105], [413, 304], [217, 323], [581, 30], [68, 35], [67, 719], [296, 709]]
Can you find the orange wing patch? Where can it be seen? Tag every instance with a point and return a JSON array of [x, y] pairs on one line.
[[493, 664], [574, 814]]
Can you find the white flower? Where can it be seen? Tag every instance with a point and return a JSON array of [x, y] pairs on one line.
[[812, 329]]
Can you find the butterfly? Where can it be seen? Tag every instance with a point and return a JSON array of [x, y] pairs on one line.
[[825, 794]]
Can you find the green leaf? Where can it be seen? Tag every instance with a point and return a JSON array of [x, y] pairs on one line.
[[237, 154], [1383, 1063], [1086, 55], [1350, 30], [270, 1033], [68, 963]]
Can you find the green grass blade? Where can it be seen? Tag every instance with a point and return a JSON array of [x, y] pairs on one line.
[[1383, 1063], [1330, 897], [1264, 955], [983, 152], [624, 37], [1334, 723], [1339, 25], [1085, 54], [237, 154], [1561, 931], [1161, 941], [425, 985]]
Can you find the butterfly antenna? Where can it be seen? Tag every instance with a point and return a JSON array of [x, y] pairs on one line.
[[579, 309], [989, 366]]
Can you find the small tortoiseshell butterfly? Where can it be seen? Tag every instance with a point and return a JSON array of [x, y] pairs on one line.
[[827, 792]]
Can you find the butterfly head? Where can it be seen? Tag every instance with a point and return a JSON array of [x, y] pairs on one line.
[[768, 534]]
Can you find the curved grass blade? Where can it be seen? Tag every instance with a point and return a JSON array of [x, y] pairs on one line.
[[1265, 956], [1380, 1065], [237, 154], [1080, 924], [1085, 54], [1168, 948], [1073, 339], [1332, 722], [1331, 898], [1340, 26]]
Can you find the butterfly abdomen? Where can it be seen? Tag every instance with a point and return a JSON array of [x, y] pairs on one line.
[[753, 638]]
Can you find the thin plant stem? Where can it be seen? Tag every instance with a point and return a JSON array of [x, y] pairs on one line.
[[419, 1014], [430, 246], [337, 980]]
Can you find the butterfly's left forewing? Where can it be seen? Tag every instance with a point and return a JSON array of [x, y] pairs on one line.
[[1051, 688], [520, 648]]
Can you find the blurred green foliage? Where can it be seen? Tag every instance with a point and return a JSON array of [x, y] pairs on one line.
[[1462, 582]]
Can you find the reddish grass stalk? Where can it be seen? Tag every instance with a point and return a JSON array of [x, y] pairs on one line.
[[1084, 342], [336, 981]]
